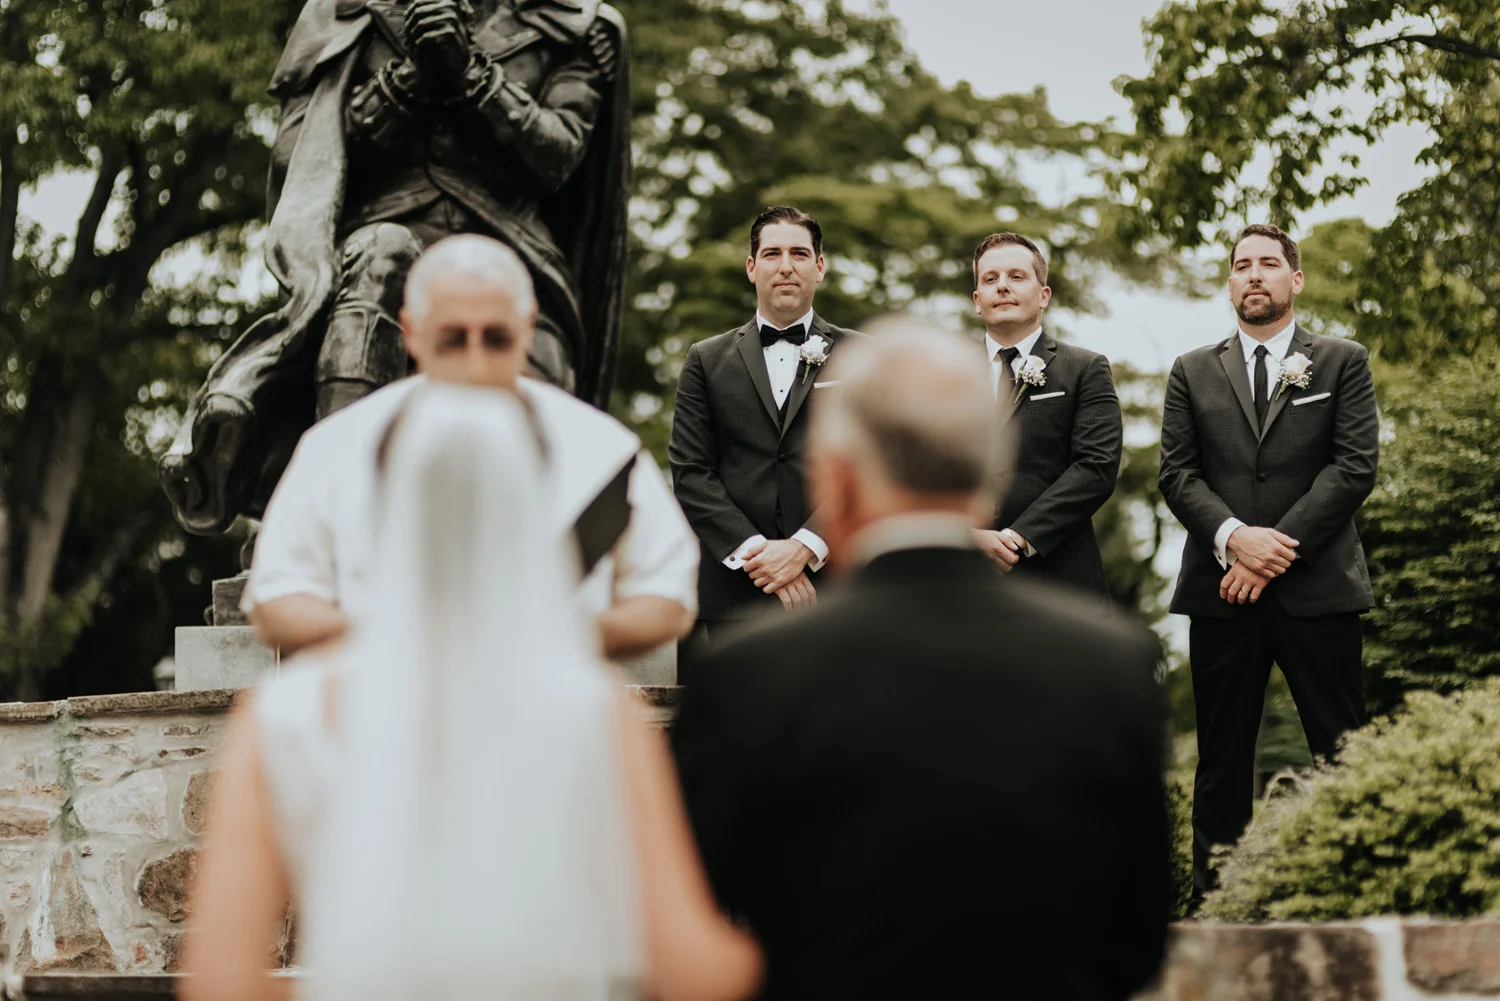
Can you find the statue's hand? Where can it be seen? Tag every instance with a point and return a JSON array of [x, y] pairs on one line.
[[439, 43]]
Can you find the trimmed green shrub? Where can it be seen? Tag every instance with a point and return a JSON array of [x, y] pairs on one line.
[[1180, 813], [1407, 822], [1432, 530]]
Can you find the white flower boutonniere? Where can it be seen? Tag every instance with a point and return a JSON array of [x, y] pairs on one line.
[[1031, 372], [814, 352], [1296, 370]]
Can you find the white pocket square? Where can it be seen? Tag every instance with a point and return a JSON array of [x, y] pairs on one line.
[[1311, 399], [1048, 396], [825, 385]]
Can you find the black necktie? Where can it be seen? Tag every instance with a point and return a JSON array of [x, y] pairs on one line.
[[1262, 398], [795, 334], [1008, 374]]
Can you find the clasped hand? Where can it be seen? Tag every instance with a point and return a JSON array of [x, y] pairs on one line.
[[439, 42], [1261, 555], [1005, 547], [779, 567]]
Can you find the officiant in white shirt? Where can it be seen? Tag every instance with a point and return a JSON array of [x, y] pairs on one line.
[[468, 318]]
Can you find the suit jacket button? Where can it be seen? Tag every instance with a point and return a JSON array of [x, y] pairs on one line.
[[782, 457], [1260, 477]]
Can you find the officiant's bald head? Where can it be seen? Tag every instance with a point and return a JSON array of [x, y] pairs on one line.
[[470, 312], [908, 424]]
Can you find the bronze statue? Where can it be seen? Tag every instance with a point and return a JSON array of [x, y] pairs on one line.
[[404, 121]]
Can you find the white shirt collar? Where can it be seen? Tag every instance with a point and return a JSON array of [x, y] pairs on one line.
[[913, 530], [1276, 346], [806, 321], [1026, 346]]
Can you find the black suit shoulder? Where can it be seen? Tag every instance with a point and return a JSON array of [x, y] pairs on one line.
[[785, 653]]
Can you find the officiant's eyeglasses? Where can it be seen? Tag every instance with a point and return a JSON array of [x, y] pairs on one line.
[[495, 337]]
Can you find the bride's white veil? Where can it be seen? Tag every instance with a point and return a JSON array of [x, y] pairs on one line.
[[478, 844]]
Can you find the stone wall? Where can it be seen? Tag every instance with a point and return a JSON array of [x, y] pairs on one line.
[[101, 800], [101, 804]]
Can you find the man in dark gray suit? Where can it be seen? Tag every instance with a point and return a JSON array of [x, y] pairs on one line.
[[1269, 446], [1068, 426], [906, 792], [743, 403]]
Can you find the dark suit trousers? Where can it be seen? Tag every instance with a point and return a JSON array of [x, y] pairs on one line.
[[1231, 665]]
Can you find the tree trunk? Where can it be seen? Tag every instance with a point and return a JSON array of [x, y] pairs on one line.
[[46, 524]]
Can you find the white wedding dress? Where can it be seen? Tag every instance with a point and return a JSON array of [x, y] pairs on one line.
[[461, 828]]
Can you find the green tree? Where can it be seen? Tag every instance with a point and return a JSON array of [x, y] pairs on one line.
[[162, 104], [739, 106], [1245, 102], [1432, 529]]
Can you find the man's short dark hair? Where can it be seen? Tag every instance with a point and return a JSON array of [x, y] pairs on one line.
[[786, 214], [994, 240], [1288, 245]]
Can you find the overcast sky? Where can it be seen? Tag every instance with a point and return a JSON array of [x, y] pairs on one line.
[[1076, 49]]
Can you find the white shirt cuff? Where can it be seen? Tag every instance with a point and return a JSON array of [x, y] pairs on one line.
[[817, 545], [736, 559], [1030, 549], [1221, 540]]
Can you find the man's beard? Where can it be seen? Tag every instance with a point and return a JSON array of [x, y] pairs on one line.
[[1263, 314]]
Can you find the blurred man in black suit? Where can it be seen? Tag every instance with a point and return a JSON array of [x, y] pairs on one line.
[[743, 404], [908, 790], [1269, 443], [1069, 431]]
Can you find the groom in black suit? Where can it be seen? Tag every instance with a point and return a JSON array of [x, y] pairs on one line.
[[743, 403], [1268, 448], [1069, 430]]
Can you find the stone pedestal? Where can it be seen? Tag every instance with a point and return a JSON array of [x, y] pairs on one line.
[[217, 657], [659, 667]]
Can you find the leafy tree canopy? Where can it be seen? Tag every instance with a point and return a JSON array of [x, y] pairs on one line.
[[1246, 102], [161, 103], [743, 105]]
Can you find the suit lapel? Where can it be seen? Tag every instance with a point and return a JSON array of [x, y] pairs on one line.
[[1045, 349], [755, 361], [802, 381], [1232, 357], [1301, 341]]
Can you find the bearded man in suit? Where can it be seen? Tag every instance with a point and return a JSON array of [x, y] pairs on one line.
[[743, 404], [1269, 446], [1061, 399]]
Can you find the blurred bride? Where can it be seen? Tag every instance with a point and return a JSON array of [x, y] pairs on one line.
[[462, 801]]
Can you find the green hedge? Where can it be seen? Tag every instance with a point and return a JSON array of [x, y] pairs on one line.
[[1407, 822], [1432, 531]]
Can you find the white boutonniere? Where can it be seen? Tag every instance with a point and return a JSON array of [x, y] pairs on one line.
[[814, 352], [1296, 370], [1031, 372]]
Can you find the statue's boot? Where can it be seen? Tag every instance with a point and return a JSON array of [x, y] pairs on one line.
[[362, 348]]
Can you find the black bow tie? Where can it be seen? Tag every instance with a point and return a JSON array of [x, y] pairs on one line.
[[795, 334]]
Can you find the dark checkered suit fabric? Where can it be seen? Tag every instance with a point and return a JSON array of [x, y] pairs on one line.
[[736, 470], [1306, 474], [1067, 459]]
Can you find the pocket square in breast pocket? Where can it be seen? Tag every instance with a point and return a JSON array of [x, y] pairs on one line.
[[1049, 396], [825, 385], [1310, 399]]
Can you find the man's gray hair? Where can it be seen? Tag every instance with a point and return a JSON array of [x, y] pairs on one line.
[[915, 401], [473, 256]]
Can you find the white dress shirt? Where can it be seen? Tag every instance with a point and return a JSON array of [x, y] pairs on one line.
[[318, 535], [1024, 348], [994, 348], [1277, 346], [781, 366]]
